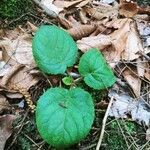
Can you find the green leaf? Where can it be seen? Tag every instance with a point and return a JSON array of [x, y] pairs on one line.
[[97, 74], [53, 49], [67, 80], [64, 117]]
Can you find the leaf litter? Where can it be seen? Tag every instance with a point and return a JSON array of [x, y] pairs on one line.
[[120, 30]]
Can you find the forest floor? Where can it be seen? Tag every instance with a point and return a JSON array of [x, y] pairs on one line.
[[123, 130]]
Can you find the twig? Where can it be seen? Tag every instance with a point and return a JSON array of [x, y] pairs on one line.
[[103, 124], [22, 124], [31, 140]]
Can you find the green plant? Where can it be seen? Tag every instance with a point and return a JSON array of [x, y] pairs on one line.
[[54, 50], [64, 117]]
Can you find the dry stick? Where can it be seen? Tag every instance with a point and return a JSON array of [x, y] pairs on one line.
[[22, 124], [104, 124]]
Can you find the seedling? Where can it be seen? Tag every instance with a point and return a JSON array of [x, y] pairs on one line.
[[64, 117]]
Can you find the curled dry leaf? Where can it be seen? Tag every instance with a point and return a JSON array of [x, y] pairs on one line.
[[83, 3], [100, 13], [20, 76], [128, 8], [19, 49], [4, 68], [4, 104], [148, 134], [81, 31], [126, 41], [133, 80], [73, 21], [49, 7], [66, 4], [119, 37], [125, 105], [32, 27], [147, 71], [100, 41], [5, 128], [141, 67], [63, 21], [107, 1], [116, 23], [133, 44], [82, 15]]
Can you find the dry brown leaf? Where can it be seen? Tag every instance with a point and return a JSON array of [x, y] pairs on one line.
[[144, 10], [94, 13], [142, 17], [63, 21], [82, 15], [49, 7], [13, 95], [100, 13], [119, 38], [141, 67], [116, 23], [133, 44], [32, 27], [19, 49], [147, 72], [128, 8], [81, 31], [73, 21], [133, 80], [100, 41], [4, 68], [20, 76], [66, 4], [4, 104], [83, 3], [5, 128], [1, 55]]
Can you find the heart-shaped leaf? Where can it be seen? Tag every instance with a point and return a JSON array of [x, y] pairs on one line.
[[53, 49], [64, 117], [97, 74], [67, 80]]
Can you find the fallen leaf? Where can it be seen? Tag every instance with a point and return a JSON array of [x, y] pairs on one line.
[[147, 71], [32, 27], [81, 31], [100, 41], [119, 38], [133, 80], [4, 104], [5, 128], [66, 4], [19, 49], [20, 76], [82, 15], [4, 68], [107, 1], [141, 67], [65, 22], [100, 13], [49, 7], [124, 105], [116, 23], [133, 44], [1, 55], [83, 3], [13, 95], [128, 8], [148, 134]]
